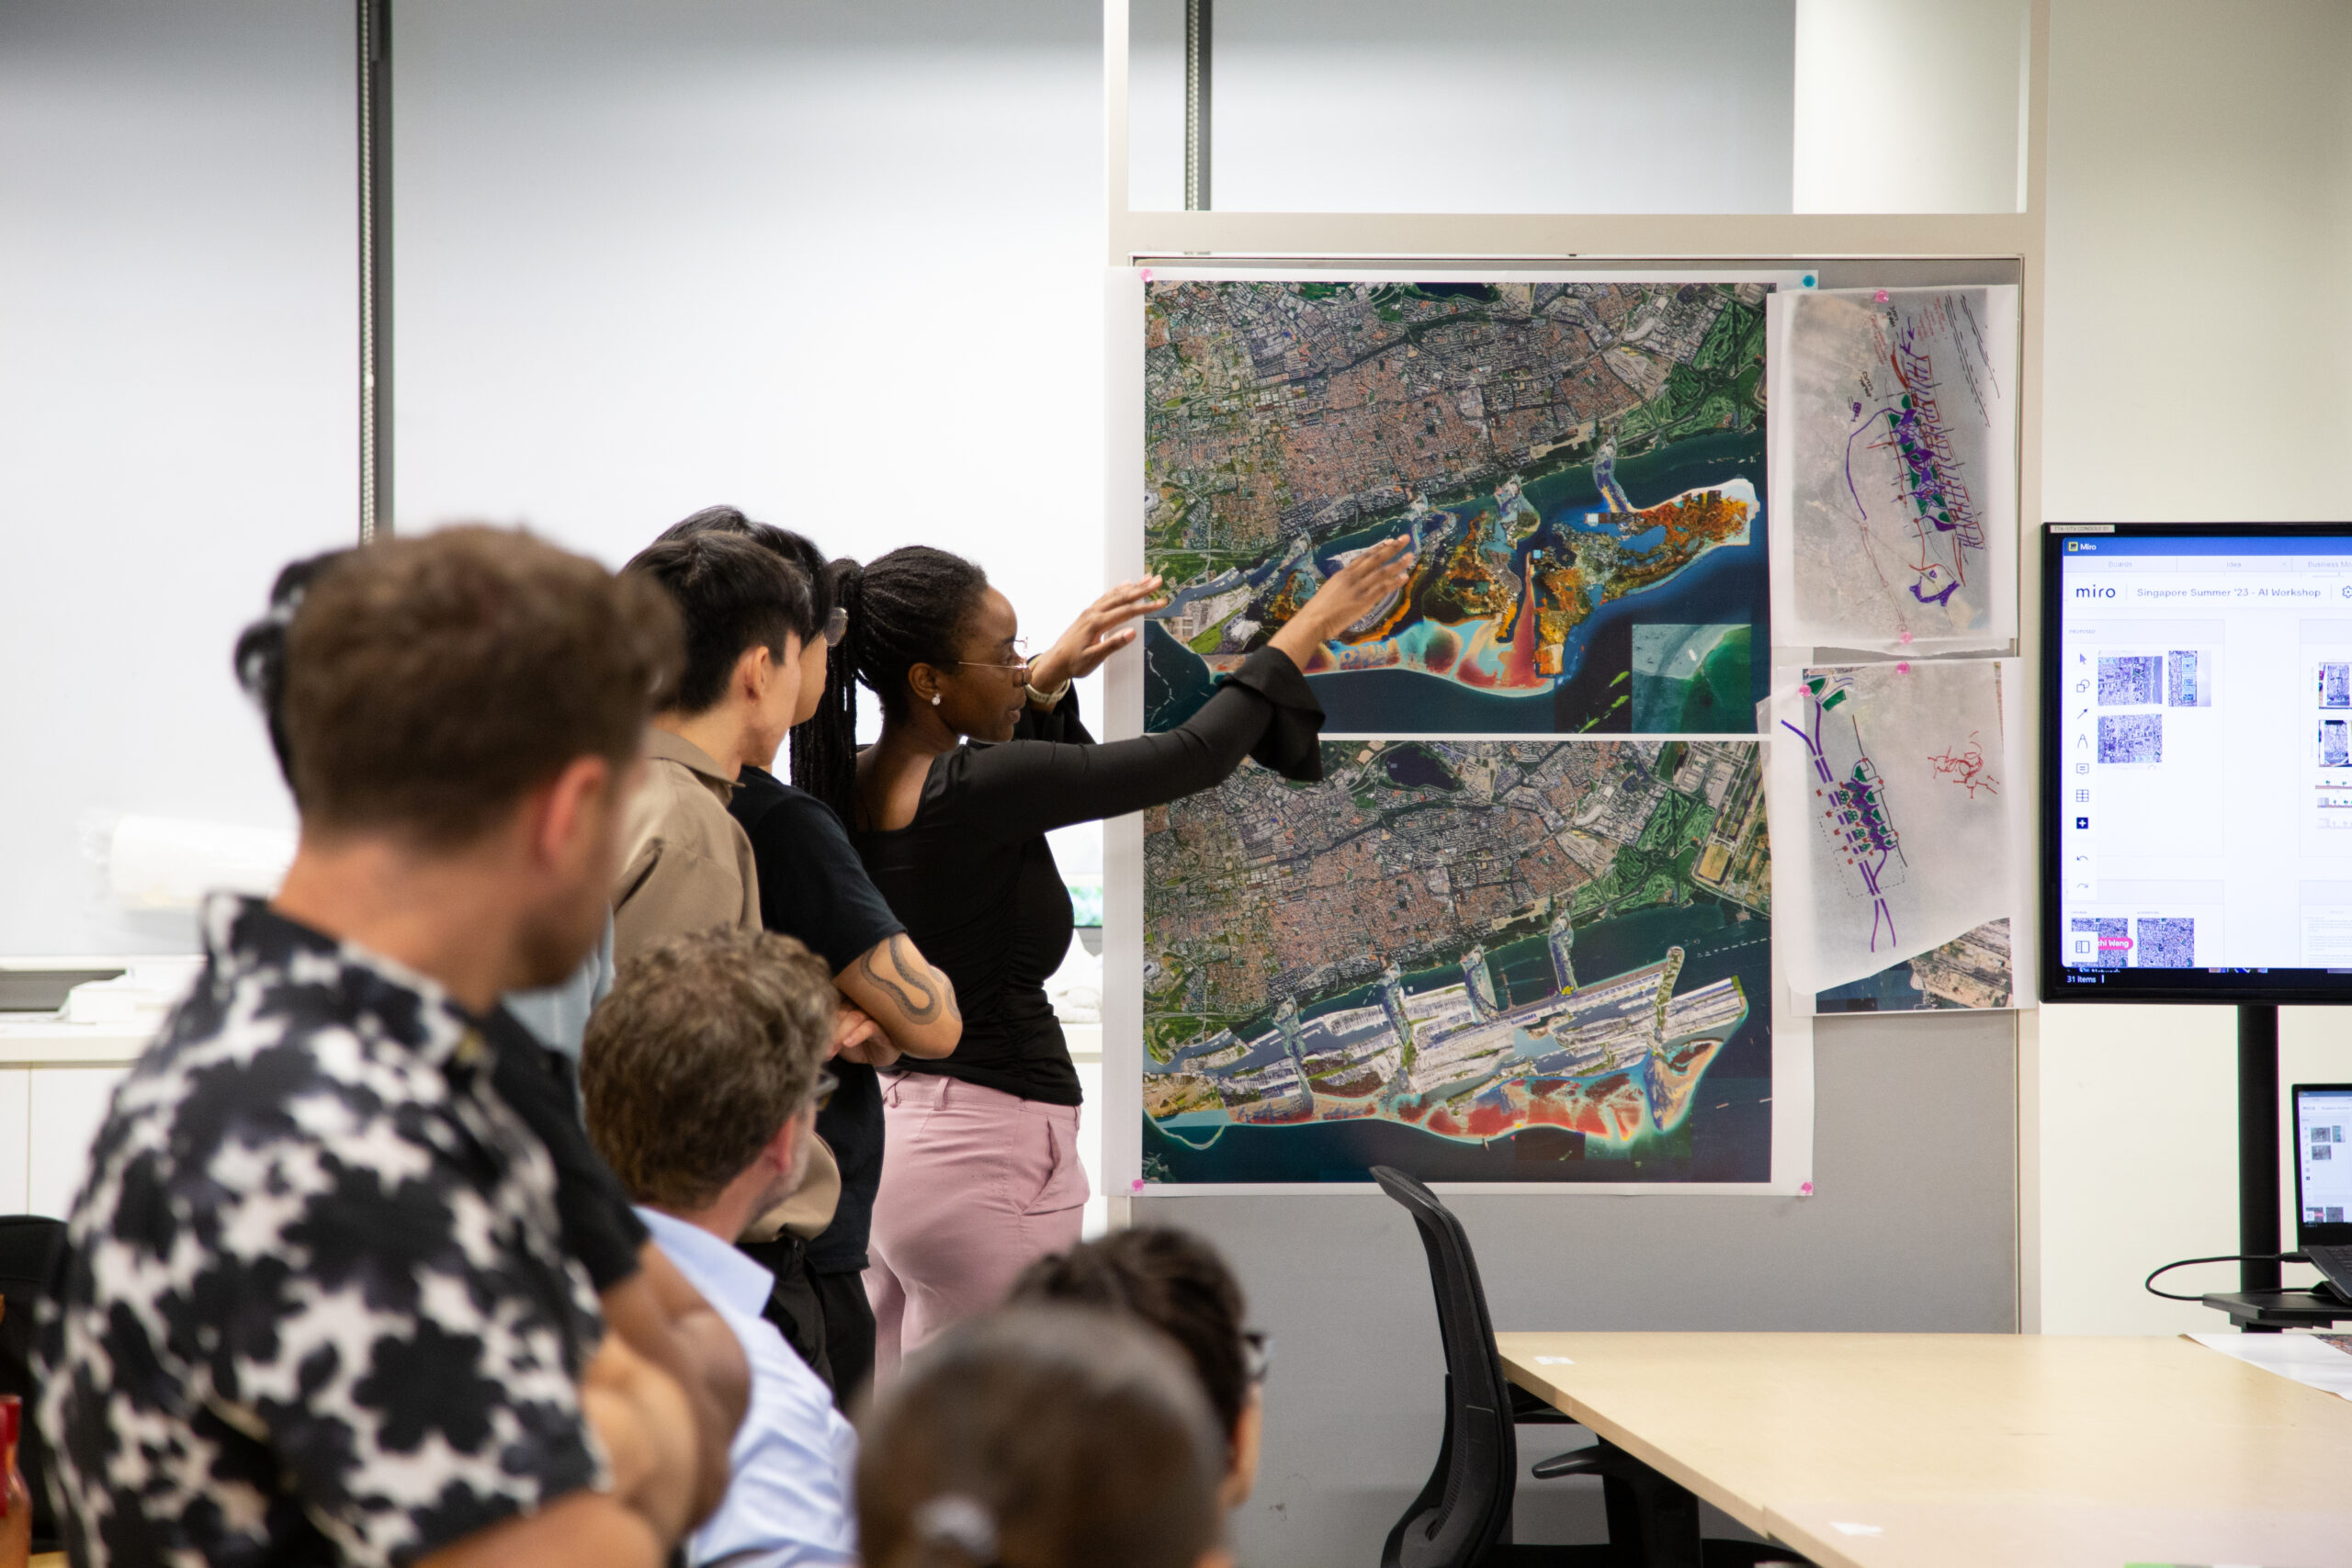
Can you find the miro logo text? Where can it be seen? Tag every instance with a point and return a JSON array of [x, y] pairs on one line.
[[2094, 592]]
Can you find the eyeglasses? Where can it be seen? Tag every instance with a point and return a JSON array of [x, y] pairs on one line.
[[1256, 1356], [826, 1084], [1019, 645], [837, 625]]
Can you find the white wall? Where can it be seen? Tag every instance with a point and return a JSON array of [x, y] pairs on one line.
[[837, 265], [2197, 368], [1909, 105], [1507, 105], [178, 412]]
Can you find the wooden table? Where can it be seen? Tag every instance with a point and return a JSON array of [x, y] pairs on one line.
[[1964, 1451]]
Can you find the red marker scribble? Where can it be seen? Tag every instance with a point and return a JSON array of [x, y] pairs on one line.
[[1965, 767]]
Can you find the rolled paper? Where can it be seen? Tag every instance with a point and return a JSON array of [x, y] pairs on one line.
[[160, 862]]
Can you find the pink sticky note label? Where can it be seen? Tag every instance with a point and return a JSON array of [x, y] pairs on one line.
[[1807, 1191], [1137, 1185], [1881, 295]]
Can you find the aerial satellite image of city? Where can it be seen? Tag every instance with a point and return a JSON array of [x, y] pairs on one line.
[[1973, 971], [1580, 467], [1478, 961]]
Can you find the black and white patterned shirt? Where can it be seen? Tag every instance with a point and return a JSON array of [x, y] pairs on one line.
[[316, 1306]]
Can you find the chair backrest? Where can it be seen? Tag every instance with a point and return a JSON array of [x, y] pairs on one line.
[[1464, 1510], [29, 1247]]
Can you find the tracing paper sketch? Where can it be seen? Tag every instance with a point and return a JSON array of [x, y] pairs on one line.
[[1896, 468], [1910, 793]]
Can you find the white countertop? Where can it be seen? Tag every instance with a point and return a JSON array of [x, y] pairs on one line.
[[50, 1041]]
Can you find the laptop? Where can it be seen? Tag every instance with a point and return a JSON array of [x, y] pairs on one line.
[[2324, 1180]]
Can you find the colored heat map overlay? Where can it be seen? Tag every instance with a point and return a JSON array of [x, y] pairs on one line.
[[1289, 424], [1399, 942]]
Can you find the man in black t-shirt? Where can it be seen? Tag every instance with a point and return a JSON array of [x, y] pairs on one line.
[[813, 887]]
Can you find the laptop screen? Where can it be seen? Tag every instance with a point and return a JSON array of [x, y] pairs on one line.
[[2323, 1164]]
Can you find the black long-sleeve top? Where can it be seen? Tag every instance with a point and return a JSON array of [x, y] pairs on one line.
[[975, 881]]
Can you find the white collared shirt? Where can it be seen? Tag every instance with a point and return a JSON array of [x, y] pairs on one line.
[[788, 1490]]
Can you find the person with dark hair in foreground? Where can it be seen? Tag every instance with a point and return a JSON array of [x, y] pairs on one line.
[[1042, 1436], [316, 1304], [703, 1075], [646, 1301], [980, 1172], [813, 888], [1175, 1282], [556, 1014]]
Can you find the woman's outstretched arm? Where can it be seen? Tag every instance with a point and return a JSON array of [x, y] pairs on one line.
[[1265, 708]]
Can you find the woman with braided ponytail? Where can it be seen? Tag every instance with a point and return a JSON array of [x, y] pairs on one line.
[[981, 754]]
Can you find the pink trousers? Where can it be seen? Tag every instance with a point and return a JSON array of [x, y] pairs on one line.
[[977, 1184]]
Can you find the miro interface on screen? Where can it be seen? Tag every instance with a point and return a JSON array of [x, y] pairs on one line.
[[2321, 1116], [2205, 789]]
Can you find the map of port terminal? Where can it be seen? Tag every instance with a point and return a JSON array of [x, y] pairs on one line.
[[1475, 959], [1580, 467]]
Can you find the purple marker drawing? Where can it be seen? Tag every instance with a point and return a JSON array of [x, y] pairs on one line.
[[1946, 530], [1850, 805]]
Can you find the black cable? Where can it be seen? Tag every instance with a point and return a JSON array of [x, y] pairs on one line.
[[2149, 1284]]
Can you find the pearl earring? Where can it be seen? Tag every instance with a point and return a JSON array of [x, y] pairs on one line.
[[934, 699]]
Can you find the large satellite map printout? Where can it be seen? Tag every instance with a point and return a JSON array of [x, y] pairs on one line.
[[1482, 961], [1580, 465]]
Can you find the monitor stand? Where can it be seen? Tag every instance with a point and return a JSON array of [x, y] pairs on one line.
[[2258, 1305]]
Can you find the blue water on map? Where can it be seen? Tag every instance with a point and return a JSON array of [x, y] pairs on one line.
[[1726, 1136], [1889, 991], [1727, 585]]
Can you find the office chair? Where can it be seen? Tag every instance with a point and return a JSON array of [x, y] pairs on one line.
[[1462, 1519], [29, 1247]]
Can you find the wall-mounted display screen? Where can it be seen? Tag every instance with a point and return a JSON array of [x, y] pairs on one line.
[[2197, 763]]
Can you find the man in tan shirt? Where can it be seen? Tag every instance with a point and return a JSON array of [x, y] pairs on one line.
[[689, 864], [686, 863]]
